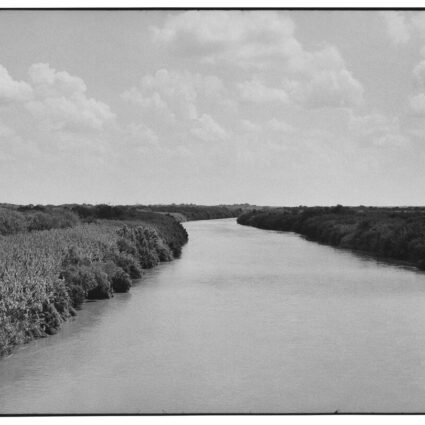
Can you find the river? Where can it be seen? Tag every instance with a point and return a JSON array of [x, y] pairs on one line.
[[247, 320]]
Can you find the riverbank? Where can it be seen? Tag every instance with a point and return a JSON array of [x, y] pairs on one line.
[[45, 275], [393, 233], [53, 258], [245, 321]]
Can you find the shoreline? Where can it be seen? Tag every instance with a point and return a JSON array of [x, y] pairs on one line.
[[382, 234], [116, 256], [54, 259]]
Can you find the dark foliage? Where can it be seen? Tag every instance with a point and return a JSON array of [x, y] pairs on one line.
[[46, 274], [121, 281], [30, 218], [182, 212], [395, 233]]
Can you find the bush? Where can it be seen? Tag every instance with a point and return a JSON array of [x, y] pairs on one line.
[[79, 280], [45, 274], [126, 245], [103, 288], [121, 281], [11, 222], [129, 264], [52, 320], [397, 233]]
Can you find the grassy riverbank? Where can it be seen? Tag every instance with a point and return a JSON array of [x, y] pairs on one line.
[[396, 233], [53, 259]]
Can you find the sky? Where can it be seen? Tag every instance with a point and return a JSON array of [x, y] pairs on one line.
[[211, 107]]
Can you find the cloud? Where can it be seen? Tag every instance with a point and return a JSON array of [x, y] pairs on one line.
[[11, 90], [272, 126], [417, 101], [404, 26], [417, 23], [75, 113], [280, 126], [175, 94], [419, 73], [142, 134], [266, 42], [152, 101], [377, 129], [397, 26], [256, 91], [329, 88], [61, 103], [208, 130], [322, 80], [47, 82], [417, 104], [249, 126], [14, 149], [241, 37], [6, 131]]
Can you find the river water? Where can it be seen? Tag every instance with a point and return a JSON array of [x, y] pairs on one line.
[[247, 320]]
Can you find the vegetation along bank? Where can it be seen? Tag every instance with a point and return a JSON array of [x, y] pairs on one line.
[[396, 233], [53, 258]]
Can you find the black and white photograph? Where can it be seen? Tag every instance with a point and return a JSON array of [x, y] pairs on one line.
[[211, 211]]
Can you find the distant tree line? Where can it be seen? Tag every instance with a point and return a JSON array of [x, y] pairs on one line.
[[28, 218], [199, 212]]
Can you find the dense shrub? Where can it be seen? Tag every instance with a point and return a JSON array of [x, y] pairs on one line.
[[102, 287], [129, 264], [397, 233], [55, 219], [11, 222], [138, 212], [121, 281], [22, 219], [45, 274]]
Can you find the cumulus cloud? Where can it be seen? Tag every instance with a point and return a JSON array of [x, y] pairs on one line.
[[404, 26], [256, 91], [48, 82], [417, 104], [419, 73], [397, 26], [272, 127], [61, 103], [208, 130], [142, 134], [329, 88], [249, 126], [75, 113], [322, 80], [12, 90], [245, 38], [150, 101], [5, 130], [175, 94], [280, 126], [417, 101], [14, 149], [377, 129], [262, 41]]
